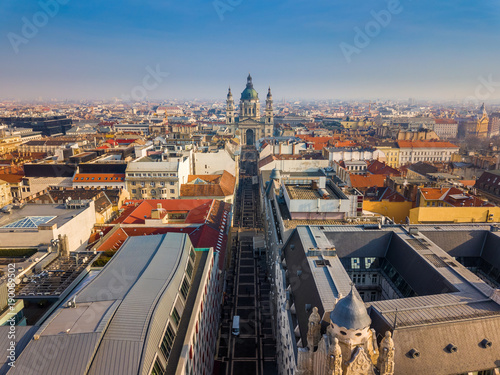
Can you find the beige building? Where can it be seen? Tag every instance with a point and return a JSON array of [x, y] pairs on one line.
[[411, 152], [5, 195], [157, 179]]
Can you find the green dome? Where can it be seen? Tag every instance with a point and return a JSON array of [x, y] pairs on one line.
[[249, 93]]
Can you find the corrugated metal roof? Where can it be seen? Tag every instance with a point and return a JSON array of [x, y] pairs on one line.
[[125, 268], [126, 293], [22, 336], [59, 354]]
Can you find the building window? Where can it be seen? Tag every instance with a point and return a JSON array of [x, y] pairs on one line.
[[133, 183], [185, 288], [172, 191], [157, 369], [172, 183], [175, 316], [152, 183], [168, 341], [143, 184], [369, 261], [189, 269], [191, 254], [355, 264], [134, 191]]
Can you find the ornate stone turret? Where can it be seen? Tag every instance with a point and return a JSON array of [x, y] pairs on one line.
[[335, 358], [350, 324], [349, 347], [269, 108], [314, 329], [230, 108], [385, 361]]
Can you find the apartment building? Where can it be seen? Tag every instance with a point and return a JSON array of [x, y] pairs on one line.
[[157, 179], [414, 151], [446, 128]]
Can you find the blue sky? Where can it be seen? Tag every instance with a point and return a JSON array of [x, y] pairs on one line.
[[101, 49]]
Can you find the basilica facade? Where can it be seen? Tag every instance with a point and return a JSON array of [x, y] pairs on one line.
[[249, 125]]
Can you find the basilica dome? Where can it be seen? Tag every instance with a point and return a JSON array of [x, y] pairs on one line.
[[249, 93]]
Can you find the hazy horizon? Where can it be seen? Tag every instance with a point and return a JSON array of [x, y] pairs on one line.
[[104, 50]]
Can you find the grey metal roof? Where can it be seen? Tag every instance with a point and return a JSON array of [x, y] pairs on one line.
[[431, 341], [58, 354], [127, 266], [491, 249], [106, 332], [467, 243], [22, 336], [350, 312]]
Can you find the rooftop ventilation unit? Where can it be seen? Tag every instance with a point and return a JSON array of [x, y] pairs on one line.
[[414, 353], [486, 344], [451, 348]]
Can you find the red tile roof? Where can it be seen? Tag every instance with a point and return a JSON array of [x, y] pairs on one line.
[[212, 216], [367, 180], [11, 178], [377, 167], [445, 121], [321, 142], [453, 196], [468, 183], [137, 210], [214, 186], [379, 194]]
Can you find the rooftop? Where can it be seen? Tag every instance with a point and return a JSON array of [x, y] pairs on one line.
[[451, 304], [32, 214], [209, 185], [426, 144], [97, 331], [307, 192]]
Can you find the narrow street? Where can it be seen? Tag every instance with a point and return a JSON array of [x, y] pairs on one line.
[[247, 291]]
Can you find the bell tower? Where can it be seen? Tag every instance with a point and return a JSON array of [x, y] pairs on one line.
[[269, 108], [230, 111]]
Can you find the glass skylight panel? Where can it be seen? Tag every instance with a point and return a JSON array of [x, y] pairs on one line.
[[29, 222]]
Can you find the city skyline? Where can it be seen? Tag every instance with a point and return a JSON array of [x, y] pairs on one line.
[[386, 50]]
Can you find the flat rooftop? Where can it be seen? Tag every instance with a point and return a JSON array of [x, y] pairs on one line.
[[306, 192], [59, 214]]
